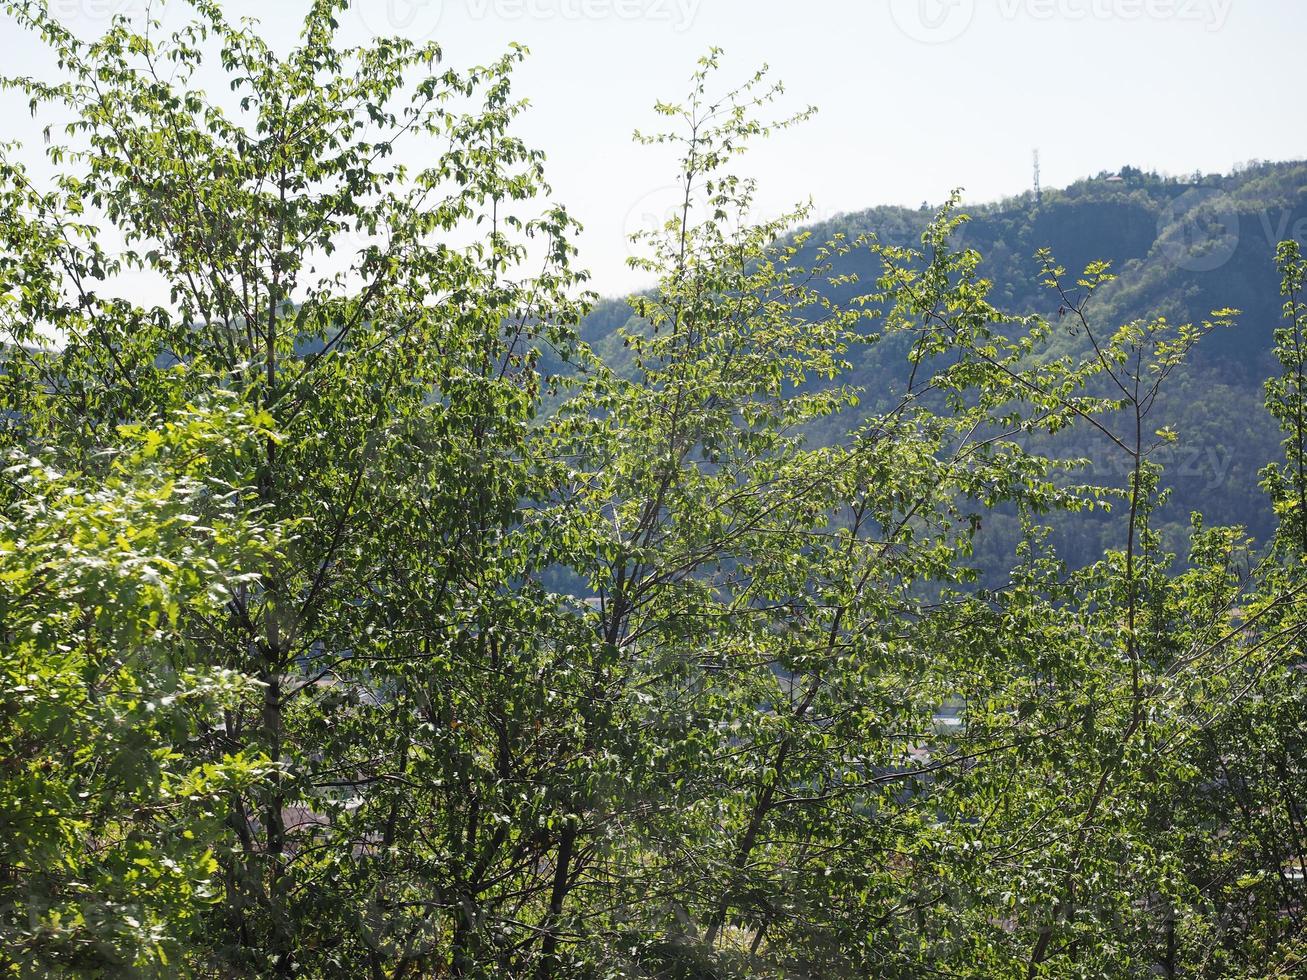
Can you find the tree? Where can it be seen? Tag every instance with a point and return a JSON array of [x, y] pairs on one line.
[[395, 393], [773, 603], [110, 822]]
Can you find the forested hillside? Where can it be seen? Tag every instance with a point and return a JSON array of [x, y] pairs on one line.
[[1180, 248]]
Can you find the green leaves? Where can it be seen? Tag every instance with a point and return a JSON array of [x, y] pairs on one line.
[[330, 643], [108, 827]]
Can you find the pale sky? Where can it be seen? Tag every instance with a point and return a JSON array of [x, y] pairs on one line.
[[915, 96]]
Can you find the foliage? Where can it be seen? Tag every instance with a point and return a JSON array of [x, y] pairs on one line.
[[110, 820], [341, 637]]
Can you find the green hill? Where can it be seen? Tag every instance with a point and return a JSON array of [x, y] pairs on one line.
[[1181, 248]]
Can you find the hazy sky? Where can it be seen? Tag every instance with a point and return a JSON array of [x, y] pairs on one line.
[[915, 96]]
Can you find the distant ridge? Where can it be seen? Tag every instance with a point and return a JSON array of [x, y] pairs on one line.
[[1181, 248]]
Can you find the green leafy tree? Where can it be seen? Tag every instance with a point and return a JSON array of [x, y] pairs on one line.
[[111, 824], [772, 602], [399, 390]]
